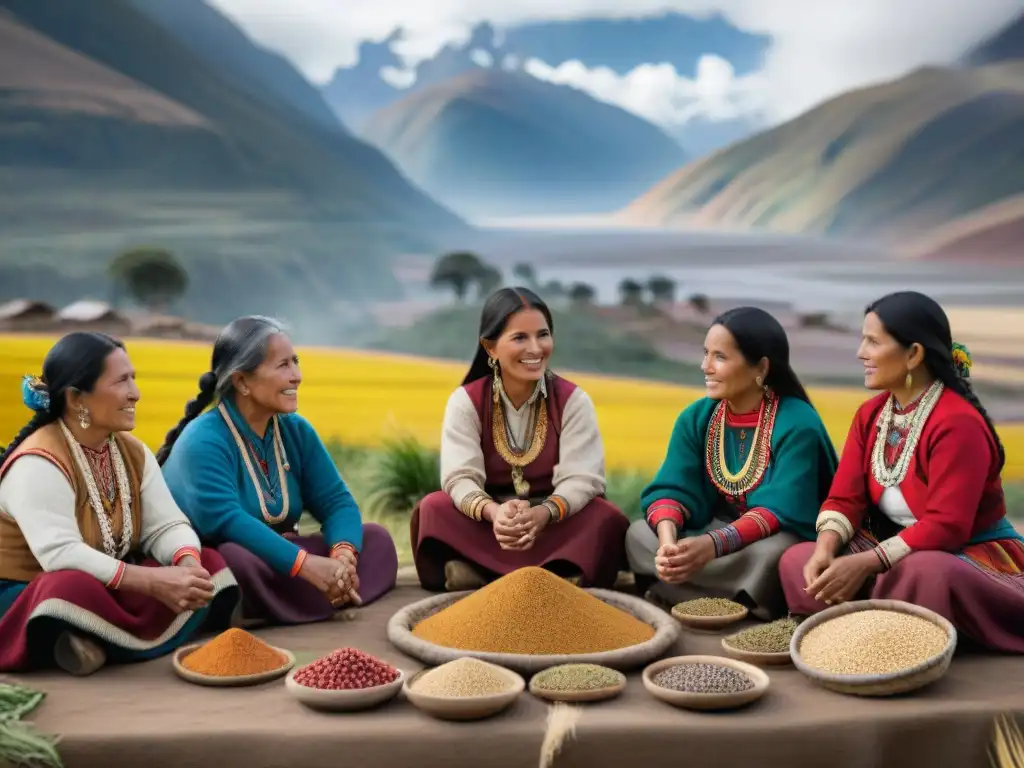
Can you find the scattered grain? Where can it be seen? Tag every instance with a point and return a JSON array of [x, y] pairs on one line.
[[873, 642], [464, 677], [532, 611], [703, 678], [773, 637], [234, 653], [708, 606], [576, 677]]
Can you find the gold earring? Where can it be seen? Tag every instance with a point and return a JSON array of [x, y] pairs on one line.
[[83, 417], [909, 381], [758, 381]]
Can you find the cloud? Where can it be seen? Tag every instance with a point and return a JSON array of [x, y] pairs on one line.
[[819, 47], [482, 58], [398, 78]]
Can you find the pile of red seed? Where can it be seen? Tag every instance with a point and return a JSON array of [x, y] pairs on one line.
[[346, 669]]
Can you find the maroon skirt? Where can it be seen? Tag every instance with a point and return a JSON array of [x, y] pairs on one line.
[[984, 604], [591, 543]]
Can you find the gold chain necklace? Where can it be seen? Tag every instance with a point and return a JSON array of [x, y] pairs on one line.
[[737, 484], [272, 519], [519, 459], [888, 477]]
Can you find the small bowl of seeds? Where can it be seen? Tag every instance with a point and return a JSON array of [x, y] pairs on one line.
[[709, 613], [764, 644], [705, 682], [577, 682], [464, 689], [874, 647]]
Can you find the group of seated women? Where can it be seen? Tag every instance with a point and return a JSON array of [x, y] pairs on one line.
[[109, 553]]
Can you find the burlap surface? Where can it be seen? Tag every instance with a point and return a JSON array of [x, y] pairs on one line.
[[666, 634], [145, 716]]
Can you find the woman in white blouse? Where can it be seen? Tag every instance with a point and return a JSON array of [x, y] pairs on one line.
[[522, 466], [97, 562]]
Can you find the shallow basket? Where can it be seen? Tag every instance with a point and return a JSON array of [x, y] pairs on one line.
[[890, 683], [666, 632]]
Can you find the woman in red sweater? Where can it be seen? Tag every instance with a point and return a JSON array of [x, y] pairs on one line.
[[916, 511]]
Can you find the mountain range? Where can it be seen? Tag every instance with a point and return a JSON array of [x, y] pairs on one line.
[[493, 143], [926, 151]]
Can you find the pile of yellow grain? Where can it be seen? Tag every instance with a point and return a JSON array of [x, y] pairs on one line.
[[531, 611]]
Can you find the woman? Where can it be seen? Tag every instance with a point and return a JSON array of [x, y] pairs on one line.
[[522, 466], [916, 512], [81, 501], [746, 469], [245, 470]]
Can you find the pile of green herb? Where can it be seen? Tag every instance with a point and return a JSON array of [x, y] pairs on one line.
[[20, 744]]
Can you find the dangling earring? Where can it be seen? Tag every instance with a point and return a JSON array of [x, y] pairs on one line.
[[83, 417], [909, 381], [497, 378], [758, 381]]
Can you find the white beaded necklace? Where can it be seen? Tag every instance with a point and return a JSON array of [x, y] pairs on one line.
[[282, 466], [888, 477], [124, 494]]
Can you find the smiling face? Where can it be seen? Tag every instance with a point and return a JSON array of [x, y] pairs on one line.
[[524, 347], [886, 361], [273, 386], [111, 404], [727, 374]]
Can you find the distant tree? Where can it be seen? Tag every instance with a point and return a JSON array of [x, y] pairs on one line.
[[457, 271], [488, 280], [526, 273], [700, 302], [663, 289], [152, 276], [631, 293], [554, 289], [582, 294]]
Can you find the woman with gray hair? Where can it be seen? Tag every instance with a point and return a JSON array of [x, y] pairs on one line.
[[245, 470]]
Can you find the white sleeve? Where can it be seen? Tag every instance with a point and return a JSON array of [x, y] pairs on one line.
[[165, 529], [462, 458], [37, 495], [579, 475]]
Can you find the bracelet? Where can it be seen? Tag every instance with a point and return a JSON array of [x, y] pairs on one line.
[[473, 505], [557, 506], [344, 545], [883, 558]]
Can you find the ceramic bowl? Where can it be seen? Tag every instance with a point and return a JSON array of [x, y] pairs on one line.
[[707, 701], [595, 694], [343, 700], [465, 707], [709, 623], [235, 680], [757, 658]]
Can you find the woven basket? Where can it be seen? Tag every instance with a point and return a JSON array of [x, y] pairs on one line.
[[666, 632], [888, 684]]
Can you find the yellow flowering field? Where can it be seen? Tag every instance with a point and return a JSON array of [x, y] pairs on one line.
[[361, 397]]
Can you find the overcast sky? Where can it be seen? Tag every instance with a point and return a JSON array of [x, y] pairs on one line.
[[819, 47]]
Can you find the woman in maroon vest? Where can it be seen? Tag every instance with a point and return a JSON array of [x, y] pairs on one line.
[[522, 466]]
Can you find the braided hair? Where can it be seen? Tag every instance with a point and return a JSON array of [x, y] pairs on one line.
[[240, 347], [911, 317], [75, 362]]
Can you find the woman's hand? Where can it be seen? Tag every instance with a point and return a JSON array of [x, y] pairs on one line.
[[531, 522], [678, 563], [818, 563], [350, 561], [844, 578], [324, 573], [505, 525], [179, 588]]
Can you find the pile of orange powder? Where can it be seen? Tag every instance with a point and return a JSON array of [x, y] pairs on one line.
[[234, 653]]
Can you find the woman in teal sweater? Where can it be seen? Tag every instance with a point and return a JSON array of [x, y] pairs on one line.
[[745, 473], [244, 471]]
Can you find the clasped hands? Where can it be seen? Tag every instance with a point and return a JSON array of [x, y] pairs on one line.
[[833, 580], [334, 576], [678, 561], [517, 525]]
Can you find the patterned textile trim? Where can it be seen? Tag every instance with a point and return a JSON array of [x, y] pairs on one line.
[[754, 525], [473, 504], [90, 623], [831, 520], [891, 551], [299, 560], [184, 552], [558, 507], [115, 581], [667, 509]]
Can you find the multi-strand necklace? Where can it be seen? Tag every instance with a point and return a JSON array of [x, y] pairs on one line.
[[263, 494], [890, 425], [124, 493], [738, 484], [517, 457]]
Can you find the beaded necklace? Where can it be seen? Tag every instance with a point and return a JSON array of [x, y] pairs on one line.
[[110, 546], [887, 475], [518, 459], [737, 484], [282, 467]]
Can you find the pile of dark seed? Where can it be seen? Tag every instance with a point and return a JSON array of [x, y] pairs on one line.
[[703, 678]]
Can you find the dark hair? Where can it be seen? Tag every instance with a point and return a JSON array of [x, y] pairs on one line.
[[913, 318], [240, 347], [499, 307], [759, 335], [75, 362]]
